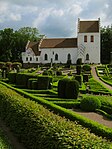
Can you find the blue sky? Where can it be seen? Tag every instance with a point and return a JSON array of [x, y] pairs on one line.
[[53, 18]]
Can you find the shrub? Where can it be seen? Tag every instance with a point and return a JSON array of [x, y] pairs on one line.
[[85, 78], [90, 103], [30, 82], [86, 67], [44, 82], [72, 89], [79, 79], [16, 64], [34, 85], [45, 72], [78, 69], [79, 61], [58, 72], [38, 128], [22, 79], [12, 77], [68, 63], [2, 64], [62, 87]]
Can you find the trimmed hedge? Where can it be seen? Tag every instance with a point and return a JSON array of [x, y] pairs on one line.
[[79, 79], [36, 127], [12, 77], [90, 103], [62, 87], [72, 89], [44, 82], [22, 79], [85, 78]]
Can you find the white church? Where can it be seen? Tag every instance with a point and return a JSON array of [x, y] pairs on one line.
[[58, 50]]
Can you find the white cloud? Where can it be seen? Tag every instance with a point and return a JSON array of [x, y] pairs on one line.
[[15, 17], [53, 17]]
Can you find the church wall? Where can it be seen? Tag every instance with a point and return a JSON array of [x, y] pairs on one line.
[[92, 48], [62, 55]]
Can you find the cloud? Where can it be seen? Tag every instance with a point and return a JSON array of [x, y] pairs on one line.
[[54, 18]]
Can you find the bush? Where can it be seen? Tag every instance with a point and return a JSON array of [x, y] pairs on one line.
[[90, 103], [22, 79], [44, 82], [12, 77], [16, 64], [2, 64], [38, 128], [58, 72], [78, 69], [30, 82], [86, 67], [79, 61], [34, 84], [79, 79], [85, 78], [45, 72], [62, 87], [72, 89]]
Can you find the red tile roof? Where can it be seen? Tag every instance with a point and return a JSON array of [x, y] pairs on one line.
[[59, 43], [88, 26]]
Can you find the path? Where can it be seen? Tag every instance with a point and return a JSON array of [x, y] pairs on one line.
[[95, 117], [93, 71]]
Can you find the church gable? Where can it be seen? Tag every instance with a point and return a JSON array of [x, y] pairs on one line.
[[33, 47]]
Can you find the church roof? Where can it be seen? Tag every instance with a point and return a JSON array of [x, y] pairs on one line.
[[88, 26], [59, 43], [35, 47]]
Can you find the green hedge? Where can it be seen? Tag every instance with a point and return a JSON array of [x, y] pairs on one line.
[[95, 127], [22, 79], [37, 127], [12, 77], [44, 82]]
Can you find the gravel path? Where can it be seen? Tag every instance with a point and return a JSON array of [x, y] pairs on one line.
[[95, 117], [93, 71]]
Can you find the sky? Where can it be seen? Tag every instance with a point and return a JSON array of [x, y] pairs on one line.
[[53, 18]]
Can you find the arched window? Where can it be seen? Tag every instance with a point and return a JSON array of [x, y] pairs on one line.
[[30, 58], [69, 57], [36, 58], [26, 58], [45, 57], [87, 56], [56, 57]]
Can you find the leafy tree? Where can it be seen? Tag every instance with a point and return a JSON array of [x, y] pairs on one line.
[[106, 44], [12, 43]]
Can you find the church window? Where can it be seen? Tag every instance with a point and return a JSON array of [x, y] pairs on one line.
[[87, 56], [85, 38], [56, 57], [26, 58], [69, 57], [45, 57], [92, 38], [30, 58], [36, 58]]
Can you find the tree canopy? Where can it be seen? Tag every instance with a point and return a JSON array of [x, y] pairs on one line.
[[106, 44], [12, 43]]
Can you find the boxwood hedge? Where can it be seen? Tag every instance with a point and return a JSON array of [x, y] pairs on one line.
[[38, 128]]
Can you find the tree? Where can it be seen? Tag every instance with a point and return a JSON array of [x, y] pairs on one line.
[[12, 43], [106, 44]]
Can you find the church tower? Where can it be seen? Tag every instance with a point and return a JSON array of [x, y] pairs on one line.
[[89, 41]]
